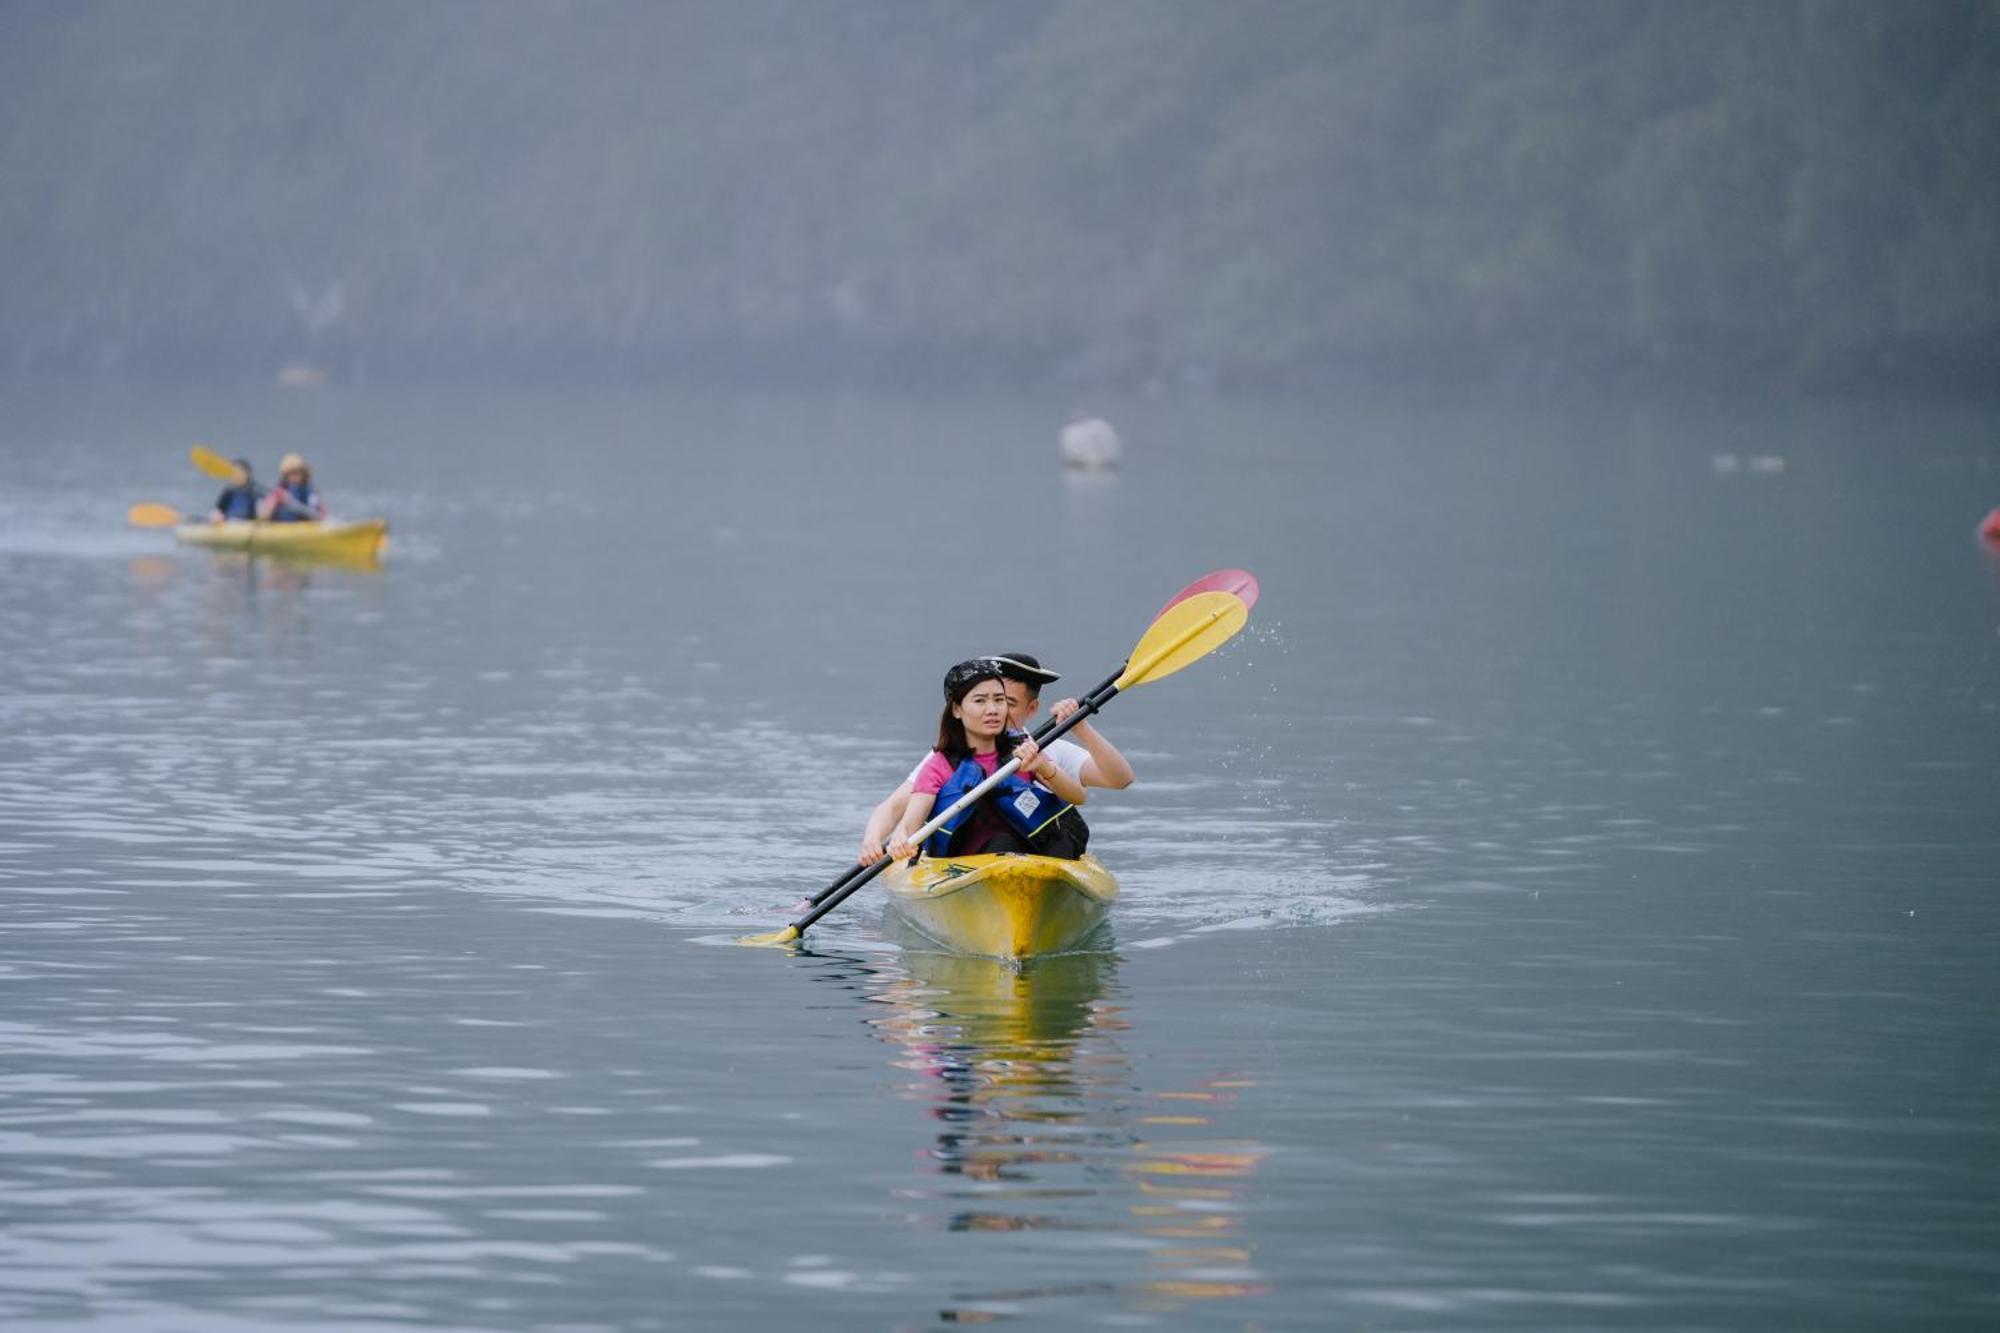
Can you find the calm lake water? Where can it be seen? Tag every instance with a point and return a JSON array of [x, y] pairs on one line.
[[1572, 904]]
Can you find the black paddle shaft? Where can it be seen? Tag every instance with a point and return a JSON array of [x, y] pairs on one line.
[[845, 887]]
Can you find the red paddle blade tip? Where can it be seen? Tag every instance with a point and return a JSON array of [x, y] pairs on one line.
[[1238, 583]]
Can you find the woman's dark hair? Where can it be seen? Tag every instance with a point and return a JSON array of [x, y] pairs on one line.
[[951, 739]]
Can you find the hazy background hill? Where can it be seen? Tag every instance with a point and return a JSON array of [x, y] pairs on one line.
[[1120, 192]]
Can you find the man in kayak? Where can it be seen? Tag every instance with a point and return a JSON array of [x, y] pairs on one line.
[[1090, 759], [240, 500], [294, 499]]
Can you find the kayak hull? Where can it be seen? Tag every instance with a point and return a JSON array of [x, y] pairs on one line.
[[360, 541], [1007, 907]]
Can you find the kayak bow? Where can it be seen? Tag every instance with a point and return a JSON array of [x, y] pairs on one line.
[[1002, 906]]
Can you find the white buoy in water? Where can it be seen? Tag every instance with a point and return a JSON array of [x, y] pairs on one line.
[[1088, 442]]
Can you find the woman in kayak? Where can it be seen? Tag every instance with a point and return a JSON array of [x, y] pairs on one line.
[[1021, 814], [294, 499], [238, 500], [1096, 762]]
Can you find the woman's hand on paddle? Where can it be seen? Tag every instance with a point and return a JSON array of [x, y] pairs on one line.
[[900, 848], [871, 851], [1033, 761]]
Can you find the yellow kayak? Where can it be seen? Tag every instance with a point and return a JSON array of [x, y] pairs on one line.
[[1002, 906], [358, 542]]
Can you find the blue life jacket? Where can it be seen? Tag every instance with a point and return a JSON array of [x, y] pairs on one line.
[[238, 502], [305, 494], [1027, 807]]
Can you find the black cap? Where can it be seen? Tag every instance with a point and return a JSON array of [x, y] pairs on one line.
[[971, 671], [1026, 668]]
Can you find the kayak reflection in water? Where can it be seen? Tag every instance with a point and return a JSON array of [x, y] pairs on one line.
[[239, 500], [1095, 762], [1024, 812], [294, 499]]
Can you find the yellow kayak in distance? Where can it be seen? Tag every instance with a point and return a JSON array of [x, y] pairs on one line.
[[359, 542], [1007, 907]]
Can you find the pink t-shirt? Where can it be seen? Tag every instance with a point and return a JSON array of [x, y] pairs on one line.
[[929, 779], [1066, 755]]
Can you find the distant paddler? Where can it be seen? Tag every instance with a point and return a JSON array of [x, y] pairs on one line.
[[239, 499], [294, 499]]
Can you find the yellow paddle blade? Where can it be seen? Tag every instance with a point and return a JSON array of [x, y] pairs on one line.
[[146, 514], [1185, 633], [785, 936], [215, 465]]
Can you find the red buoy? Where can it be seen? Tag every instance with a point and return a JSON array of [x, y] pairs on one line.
[[1990, 529]]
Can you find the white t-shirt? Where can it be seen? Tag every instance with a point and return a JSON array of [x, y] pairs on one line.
[[1066, 755]]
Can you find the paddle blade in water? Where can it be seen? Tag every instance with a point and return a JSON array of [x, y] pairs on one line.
[[785, 936], [215, 465], [1184, 634], [1240, 583], [146, 514]]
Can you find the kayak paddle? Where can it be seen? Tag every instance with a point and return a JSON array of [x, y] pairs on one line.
[[1238, 582], [147, 514], [215, 465], [1182, 634], [1234, 581]]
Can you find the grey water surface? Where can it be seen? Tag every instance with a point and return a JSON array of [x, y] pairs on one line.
[[1571, 904]]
